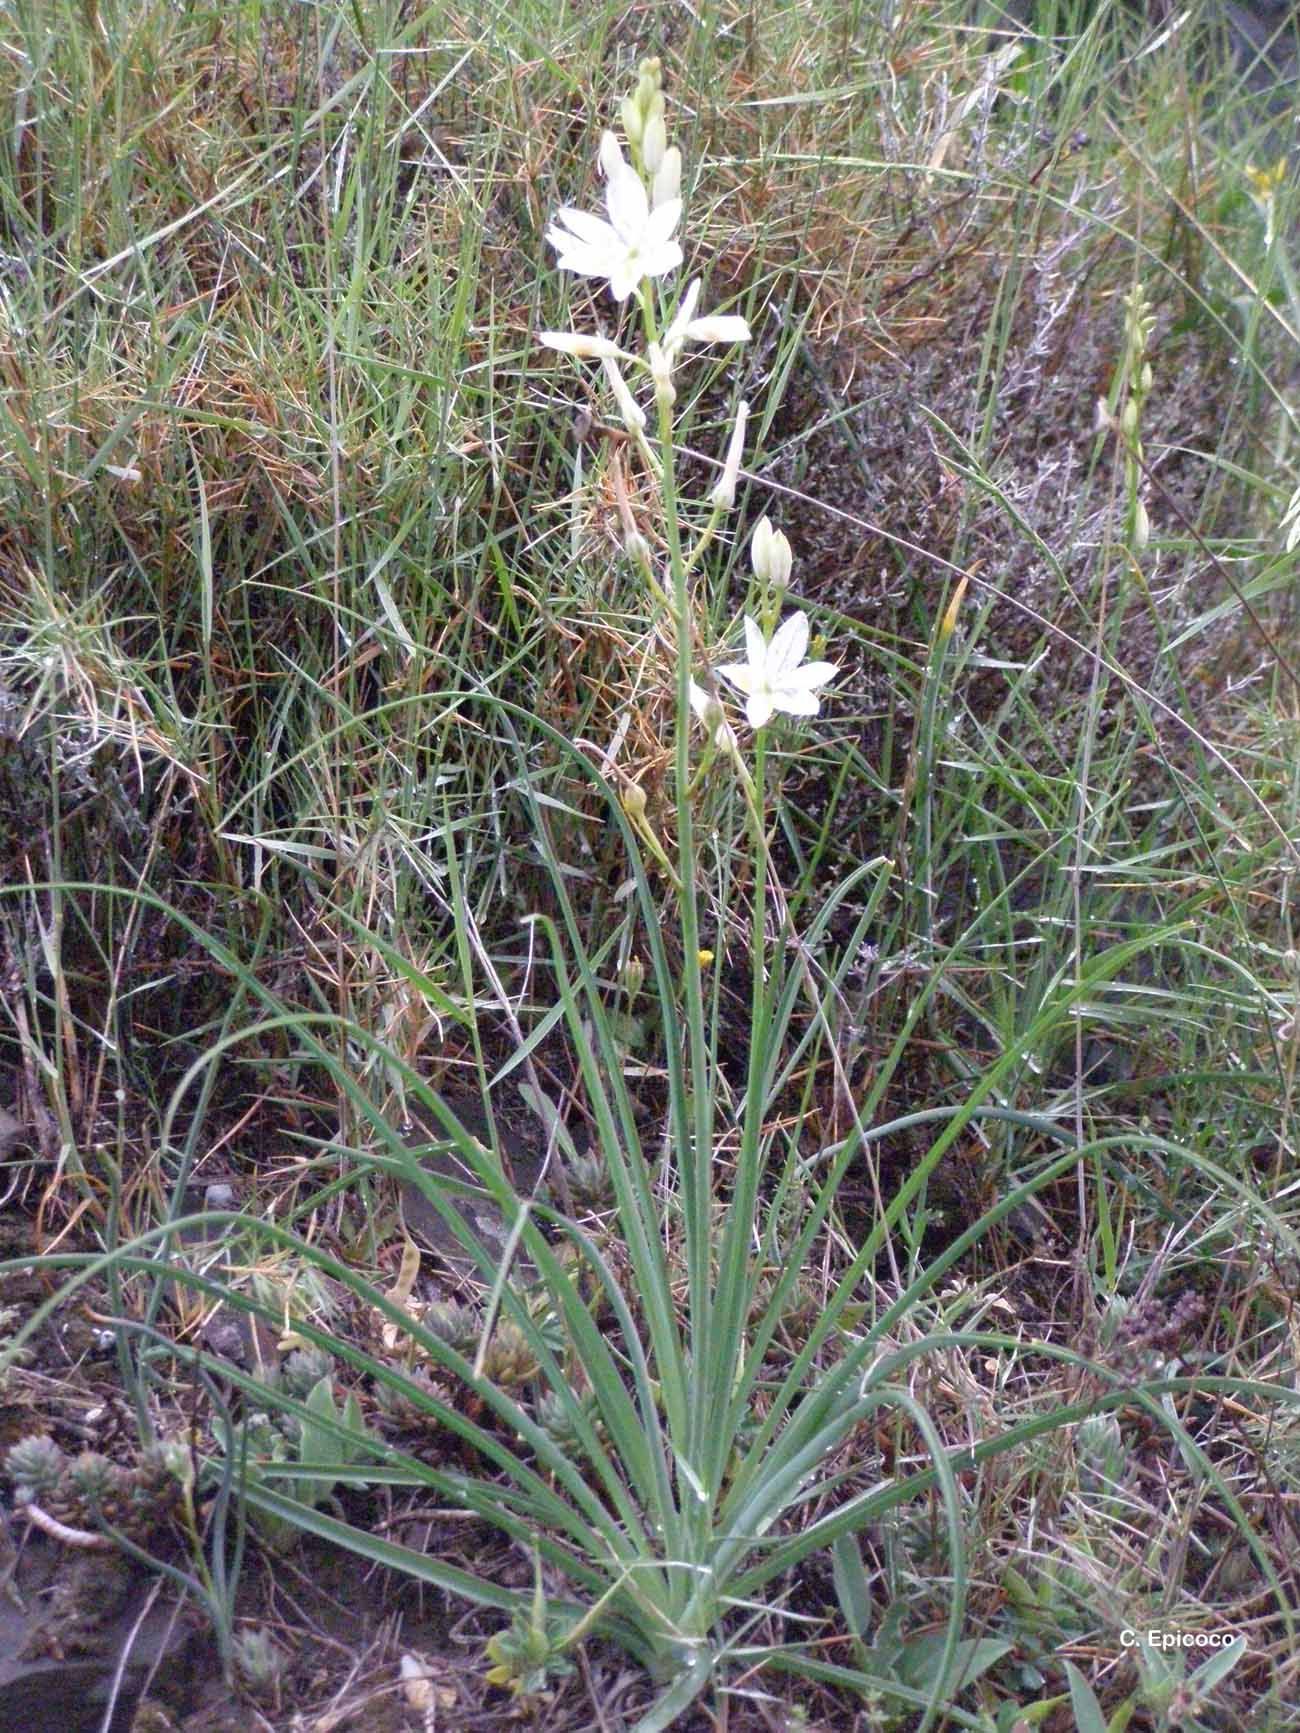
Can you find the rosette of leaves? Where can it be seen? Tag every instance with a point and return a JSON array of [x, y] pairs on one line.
[[529, 1653], [35, 1465]]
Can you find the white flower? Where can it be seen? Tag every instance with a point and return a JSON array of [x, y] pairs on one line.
[[772, 678], [724, 491], [686, 328], [634, 244], [628, 407], [584, 347], [713, 716]]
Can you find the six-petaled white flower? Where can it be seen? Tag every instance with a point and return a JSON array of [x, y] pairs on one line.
[[635, 243], [775, 676]]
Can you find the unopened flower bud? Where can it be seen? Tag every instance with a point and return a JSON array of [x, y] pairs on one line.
[[1129, 417], [637, 549], [654, 142], [631, 411], [633, 802], [176, 1460], [1146, 379], [668, 178], [581, 344], [719, 328], [713, 717], [661, 371], [633, 976], [1141, 526], [770, 556], [630, 114], [724, 493], [647, 88]]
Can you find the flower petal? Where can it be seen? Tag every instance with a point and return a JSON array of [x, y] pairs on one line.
[[660, 223], [811, 674], [725, 328], [663, 258], [755, 643], [788, 646], [628, 206], [738, 674], [623, 275], [595, 231], [586, 261], [795, 701], [759, 709]]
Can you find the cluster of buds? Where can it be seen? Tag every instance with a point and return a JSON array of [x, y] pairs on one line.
[[645, 123], [772, 560], [1136, 380], [1139, 322]]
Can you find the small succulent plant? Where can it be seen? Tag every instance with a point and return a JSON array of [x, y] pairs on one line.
[[509, 1360], [92, 1478], [590, 1182], [304, 1369], [35, 1465], [456, 1325], [558, 1423], [258, 1661]]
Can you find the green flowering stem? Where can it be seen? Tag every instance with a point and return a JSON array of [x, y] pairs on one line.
[[705, 538], [695, 1136]]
